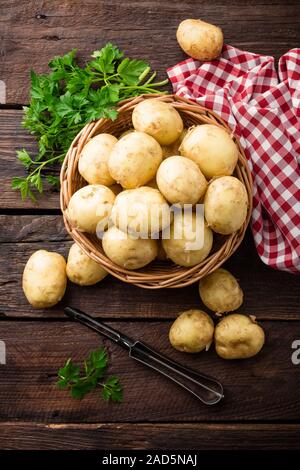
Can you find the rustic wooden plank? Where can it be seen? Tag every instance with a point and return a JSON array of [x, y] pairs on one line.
[[20, 236], [14, 137], [146, 436], [263, 388], [53, 27]]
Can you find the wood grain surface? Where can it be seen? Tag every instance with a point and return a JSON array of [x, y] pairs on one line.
[[261, 409]]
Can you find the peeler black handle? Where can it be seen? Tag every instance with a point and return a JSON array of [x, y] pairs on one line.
[[203, 387]]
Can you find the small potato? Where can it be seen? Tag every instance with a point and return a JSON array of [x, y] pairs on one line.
[[190, 240], [238, 337], [220, 291], [141, 211], [44, 279], [192, 331], [226, 205], [90, 206], [212, 148], [200, 40], [83, 270], [134, 160], [158, 119], [127, 252], [93, 159], [180, 180]]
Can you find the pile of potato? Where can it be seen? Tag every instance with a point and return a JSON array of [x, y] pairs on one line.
[[236, 336], [157, 164]]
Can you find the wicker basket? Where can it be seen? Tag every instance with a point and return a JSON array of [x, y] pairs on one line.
[[158, 274]]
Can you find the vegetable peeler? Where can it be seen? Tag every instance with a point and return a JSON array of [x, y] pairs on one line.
[[206, 389]]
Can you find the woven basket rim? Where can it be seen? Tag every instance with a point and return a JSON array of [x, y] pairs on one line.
[[156, 275]]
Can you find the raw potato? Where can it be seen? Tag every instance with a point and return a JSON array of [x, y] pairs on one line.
[[220, 291], [158, 119], [127, 252], [186, 250], [200, 40], [93, 159], [192, 331], [141, 211], [89, 206], [134, 160], [180, 180], [226, 205], [83, 270], [212, 148], [44, 279], [238, 337]]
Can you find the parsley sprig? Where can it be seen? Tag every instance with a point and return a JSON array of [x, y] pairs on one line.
[[82, 382], [70, 96]]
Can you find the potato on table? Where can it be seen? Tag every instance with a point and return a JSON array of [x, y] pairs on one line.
[[220, 291], [134, 160], [158, 119], [238, 337], [83, 270], [200, 40], [44, 279], [192, 331]]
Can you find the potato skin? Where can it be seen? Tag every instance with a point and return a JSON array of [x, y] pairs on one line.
[[134, 160], [92, 164], [180, 180], [200, 40], [220, 291], [158, 119], [85, 207], [226, 205], [176, 248], [83, 270], [44, 279], [126, 252], [238, 337], [192, 331], [212, 148], [136, 207]]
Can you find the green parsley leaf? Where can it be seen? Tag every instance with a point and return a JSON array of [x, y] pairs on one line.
[[70, 96], [130, 70], [112, 390], [81, 383]]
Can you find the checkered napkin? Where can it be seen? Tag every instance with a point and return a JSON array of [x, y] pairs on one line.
[[263, 110]]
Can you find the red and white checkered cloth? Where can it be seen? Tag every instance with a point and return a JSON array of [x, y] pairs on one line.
[[263, 110]]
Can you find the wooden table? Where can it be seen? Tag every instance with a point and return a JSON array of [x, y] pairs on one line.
[[262, 405]]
